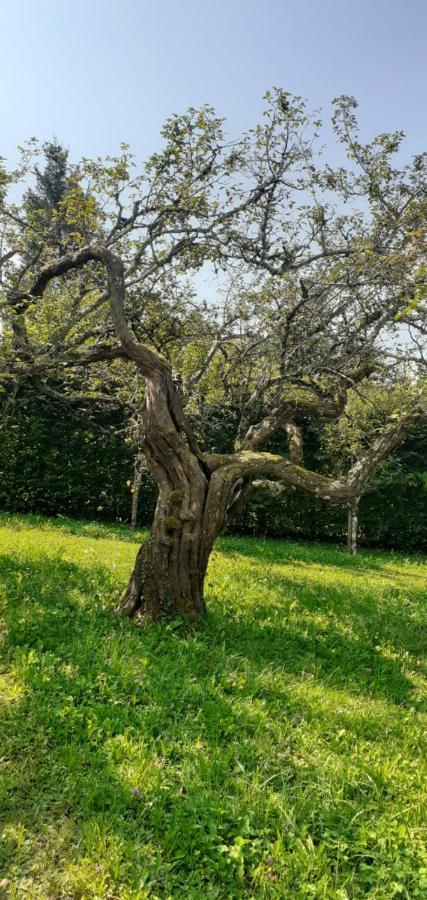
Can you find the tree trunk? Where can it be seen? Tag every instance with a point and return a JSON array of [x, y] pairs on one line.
[[170, 567], [352, 528], [167, 580], [136, 488], [192, 506]]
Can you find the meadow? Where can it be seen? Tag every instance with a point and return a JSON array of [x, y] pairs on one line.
[[276, 752]]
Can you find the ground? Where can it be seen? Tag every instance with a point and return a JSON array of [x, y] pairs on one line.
[[277, 752]]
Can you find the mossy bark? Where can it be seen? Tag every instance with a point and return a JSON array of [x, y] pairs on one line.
[[169, 572]]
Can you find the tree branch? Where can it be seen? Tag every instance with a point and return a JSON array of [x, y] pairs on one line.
[[336, 490]]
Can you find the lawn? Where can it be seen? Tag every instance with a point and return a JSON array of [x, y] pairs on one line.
[[277, 752]]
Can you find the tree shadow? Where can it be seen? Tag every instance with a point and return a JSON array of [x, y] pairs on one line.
[[367, 560], [97, 693], [101, 699], [357, 624]]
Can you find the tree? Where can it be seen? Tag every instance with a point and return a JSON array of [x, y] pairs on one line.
[[367, 414], [45, 199], [321, 284]]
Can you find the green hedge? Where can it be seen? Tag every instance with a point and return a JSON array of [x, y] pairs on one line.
[[57, 462], [393, 516]]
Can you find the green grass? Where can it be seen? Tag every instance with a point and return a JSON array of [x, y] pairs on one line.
[[277, 752]]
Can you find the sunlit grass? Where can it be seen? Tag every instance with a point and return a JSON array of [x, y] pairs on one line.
[[277, 752]]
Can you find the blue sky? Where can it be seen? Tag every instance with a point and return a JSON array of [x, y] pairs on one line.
[[99, 72]]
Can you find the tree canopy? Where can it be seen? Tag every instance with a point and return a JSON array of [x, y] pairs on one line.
[[316, 296]]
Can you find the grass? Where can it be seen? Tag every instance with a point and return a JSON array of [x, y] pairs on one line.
[[278, 752]]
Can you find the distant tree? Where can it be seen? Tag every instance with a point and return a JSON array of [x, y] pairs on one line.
[[45, 198], [367, 413], [321, 286]]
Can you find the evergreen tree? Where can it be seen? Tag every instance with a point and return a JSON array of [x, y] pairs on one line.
[[51, 184]]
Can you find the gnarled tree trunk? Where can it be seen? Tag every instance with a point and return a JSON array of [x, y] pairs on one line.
[[170, 567], [167, 580], [193, 504]]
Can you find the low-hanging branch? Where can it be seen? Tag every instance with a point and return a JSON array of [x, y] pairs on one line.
[[340, 490]]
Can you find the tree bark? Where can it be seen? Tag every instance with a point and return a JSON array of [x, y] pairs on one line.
[[168, 577], [167, 580], [295, 443], [136, 488], [192, 506], [352, 528]]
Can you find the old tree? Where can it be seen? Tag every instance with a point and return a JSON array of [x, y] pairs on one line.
[[314, 279]]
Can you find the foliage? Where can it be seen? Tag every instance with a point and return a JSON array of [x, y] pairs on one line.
[[74, 464], [44, 201], [55, 463], [277, 752], [365, 415], [318, 268]]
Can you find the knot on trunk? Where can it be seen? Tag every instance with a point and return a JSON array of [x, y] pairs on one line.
[[173, 520]]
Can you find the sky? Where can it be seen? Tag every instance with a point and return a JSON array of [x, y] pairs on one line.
[[96, 73]]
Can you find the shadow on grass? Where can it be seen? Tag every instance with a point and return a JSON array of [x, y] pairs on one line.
[[103, 697], [51, 602], [98, 695], [357, 622], [283, 551]]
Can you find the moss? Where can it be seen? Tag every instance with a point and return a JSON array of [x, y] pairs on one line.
[[175, 498], [215, 461], [156, 353], [173, 522]]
